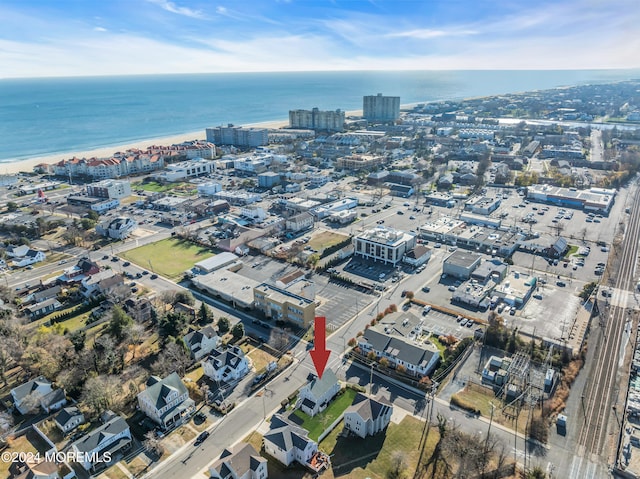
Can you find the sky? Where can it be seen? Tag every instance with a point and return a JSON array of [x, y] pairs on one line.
[[44, 38]]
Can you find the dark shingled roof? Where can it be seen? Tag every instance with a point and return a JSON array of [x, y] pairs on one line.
[[369, 408], [101, 435], [286, 435], [238, 460], [160, 390], [66, 415]]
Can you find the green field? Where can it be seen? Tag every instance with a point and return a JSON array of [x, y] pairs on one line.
[[373, 457], [170, 257], [179, 188], [317, 424]]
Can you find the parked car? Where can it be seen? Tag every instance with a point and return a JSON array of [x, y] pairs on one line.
[[201, 437]]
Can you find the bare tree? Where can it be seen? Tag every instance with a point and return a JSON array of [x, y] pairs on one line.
[[152, 444], [172, 358], [101, 393]]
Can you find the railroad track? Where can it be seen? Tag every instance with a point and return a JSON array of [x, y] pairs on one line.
[[597, 400]]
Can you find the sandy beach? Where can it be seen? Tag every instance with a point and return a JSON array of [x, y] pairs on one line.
[[28, 164]]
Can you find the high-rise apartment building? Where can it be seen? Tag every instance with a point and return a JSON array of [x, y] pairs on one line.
[[238, 136], [317, 120], [381, 108]]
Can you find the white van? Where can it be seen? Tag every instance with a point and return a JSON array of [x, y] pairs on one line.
[[426, 309]]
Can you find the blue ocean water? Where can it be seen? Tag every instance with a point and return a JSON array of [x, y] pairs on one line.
[[40, 117]]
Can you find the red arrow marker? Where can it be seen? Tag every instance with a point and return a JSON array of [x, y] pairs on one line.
[[319, 353]]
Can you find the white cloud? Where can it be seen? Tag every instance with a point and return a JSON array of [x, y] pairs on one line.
[[100, 29], [426, 33], [173, 8]]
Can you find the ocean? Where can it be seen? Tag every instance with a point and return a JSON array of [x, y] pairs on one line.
[[47, 116]]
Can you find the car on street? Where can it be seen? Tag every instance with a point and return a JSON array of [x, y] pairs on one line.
[[201, 438], [154, 276], [451, 288], [126, 263], [426, 289]]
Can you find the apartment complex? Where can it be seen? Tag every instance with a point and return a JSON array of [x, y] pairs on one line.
[[238, 136], [280, 304], [317, 120], [109, 189], [383, 244], [381, 108]]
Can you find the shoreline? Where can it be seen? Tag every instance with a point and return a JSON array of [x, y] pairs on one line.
[[27, 164]]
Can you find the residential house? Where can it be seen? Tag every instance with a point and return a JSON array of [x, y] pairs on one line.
[[139, 308], [36, 393], [68, 419], [367, 416], [14, 251], [316, 395], [43, 295], [239, 462], [287, 442], [399, 351], [32, 256], [103, 282], [117, 228], [83, 269], [223, 365], [166, 401], [53, 401], [35, 469], [38, 310], [201, 342], [113, 436]]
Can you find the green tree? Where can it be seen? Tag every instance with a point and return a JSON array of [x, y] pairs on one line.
[[185, 297], [12, 206], [119, 323], [172, 324], [238, 331], [77, 338], [205, 313], [587, 290], [93, 215], [223, 324]]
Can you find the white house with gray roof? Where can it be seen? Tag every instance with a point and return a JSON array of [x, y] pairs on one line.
[[38, 392], [224, 365], [287, 442], [239, 462], [201, 342], [166, 401], [316, 395], [68, 419], [367, 416], [113, 436], [117, 228]]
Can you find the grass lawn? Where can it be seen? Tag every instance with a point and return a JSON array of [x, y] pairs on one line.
[[195, 375], [573, 249], [373, 457], [170, 257], [326, 239], [18, 444], [175, 188], [441, 347], [482, 398], [317, 424], [260, 359], [136, 466]]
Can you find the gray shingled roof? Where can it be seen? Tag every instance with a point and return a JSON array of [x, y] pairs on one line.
[[238, 460], [102, 434], [398, 348], [159, 391], [318, 387], [286, 435], [66, 415], [368, 408], [22, 391]]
